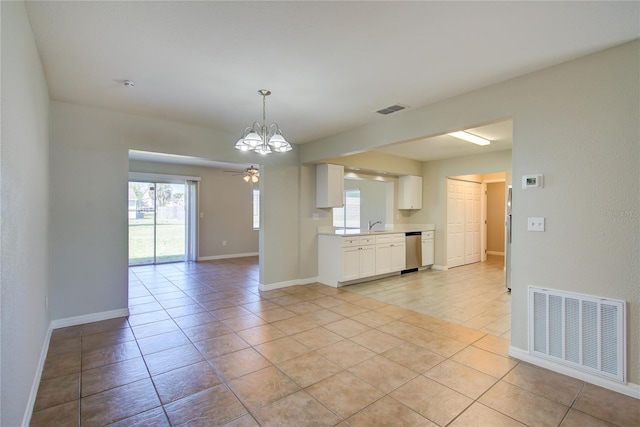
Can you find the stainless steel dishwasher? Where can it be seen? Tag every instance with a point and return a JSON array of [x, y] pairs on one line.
[[413, 249]]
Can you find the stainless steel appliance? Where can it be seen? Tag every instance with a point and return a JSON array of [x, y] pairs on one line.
[[413, 247], [507, 249]]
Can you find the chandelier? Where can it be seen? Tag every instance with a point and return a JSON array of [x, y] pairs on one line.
[[261, 138]]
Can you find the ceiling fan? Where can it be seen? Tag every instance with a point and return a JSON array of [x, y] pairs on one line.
[[250, 174]]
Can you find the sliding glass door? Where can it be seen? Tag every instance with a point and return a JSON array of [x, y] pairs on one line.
[[157, 222]]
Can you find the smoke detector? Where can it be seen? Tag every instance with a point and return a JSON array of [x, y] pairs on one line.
[[129, 84]]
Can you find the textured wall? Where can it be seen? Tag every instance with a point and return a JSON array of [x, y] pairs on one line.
[[24, 272]]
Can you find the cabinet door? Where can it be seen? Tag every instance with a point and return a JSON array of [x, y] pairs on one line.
[[410, 192], [367, 261], [350, 263], [398, 257], [329, 186], [428, 257], [383, 258]]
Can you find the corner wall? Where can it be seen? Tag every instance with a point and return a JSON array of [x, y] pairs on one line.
[[24, 214], [576, 123]]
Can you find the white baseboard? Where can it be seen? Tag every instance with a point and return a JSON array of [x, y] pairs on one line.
[[26, 419], [88, 318], [628, 389], [227, 256], [439, 267], [286, 284], [495, 253]]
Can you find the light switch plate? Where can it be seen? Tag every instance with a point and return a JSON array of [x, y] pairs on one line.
[[535, 223]]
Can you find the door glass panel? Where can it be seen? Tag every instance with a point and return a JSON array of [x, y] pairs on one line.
[[156, 223], [170, 222], [141, 223]]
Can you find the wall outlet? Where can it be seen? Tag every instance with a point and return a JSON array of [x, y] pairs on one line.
[[46, 303], [535, 224], [315, 217], [224, 243], [201, 214]]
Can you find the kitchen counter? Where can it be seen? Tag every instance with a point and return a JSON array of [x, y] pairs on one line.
[[401, 228]]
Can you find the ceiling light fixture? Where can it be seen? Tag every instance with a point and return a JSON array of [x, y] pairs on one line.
[[261, 138], [470, 137], [251, 174]]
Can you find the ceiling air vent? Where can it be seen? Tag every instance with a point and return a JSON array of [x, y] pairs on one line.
[[391, 109]]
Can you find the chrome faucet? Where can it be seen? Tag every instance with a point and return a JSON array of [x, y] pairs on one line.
[[371, 225]]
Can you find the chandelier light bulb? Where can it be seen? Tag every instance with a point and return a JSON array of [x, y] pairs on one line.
[[263, 138]]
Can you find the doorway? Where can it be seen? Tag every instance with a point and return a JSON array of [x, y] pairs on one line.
[[157, 222]]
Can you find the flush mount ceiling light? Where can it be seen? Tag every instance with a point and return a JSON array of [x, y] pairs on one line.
[[470, 137], [251, 174], [261, 138]]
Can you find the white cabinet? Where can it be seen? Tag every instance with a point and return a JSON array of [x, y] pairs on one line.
[[428, 255], [329, 186], [390, 253], [410, 192], [342, 259]]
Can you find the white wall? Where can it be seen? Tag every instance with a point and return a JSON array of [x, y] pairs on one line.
[[576, 123], [434, 190], [225, 200], [24, 214]]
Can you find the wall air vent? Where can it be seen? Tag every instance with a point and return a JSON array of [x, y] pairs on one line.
[[391, 109], [581, 331]]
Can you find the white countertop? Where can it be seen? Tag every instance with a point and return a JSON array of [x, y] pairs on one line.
[[389, 229]]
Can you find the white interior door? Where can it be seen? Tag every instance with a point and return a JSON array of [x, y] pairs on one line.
[[472, 222]]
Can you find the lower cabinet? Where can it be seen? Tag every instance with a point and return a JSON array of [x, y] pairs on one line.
[[390, 253], [348, 258], [358, 261]]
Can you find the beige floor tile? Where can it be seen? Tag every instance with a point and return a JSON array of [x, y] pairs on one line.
[[377, 341], [262, 387], [324, 316], [388, 412], [155, 417], [553, 386], [59, 365], [195, 319], [580, 419], [294, 325], [244, 322], [432, 400], [168, 360], [348, 309], [424, 321], [479, 415], [234, 365], [107, 338], [261, 334], [304, 307], [485, 361], [317, 338], [276, 314], [413, 357], [496, 345], [230, 312], [243, 421], [282, 349], [309, 368], [66, 414], [116, 374], [104, 326], [207, 331], [347, 327], [118, 403], [57, 391], [461, 378], [151, 317], [297, 409], [211, 407], [162, 342], [344, 393], [524, 406], [183, 382], [609, 406], [382, 373], [459, 333], [221, 345], [346, 353], [372, 319]]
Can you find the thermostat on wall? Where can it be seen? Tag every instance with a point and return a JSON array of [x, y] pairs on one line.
[[532, 181]]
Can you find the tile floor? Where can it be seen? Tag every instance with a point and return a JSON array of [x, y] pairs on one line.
[[203, 347]]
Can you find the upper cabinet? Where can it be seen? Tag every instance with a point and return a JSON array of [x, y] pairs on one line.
[[329, 186], [410, 192]]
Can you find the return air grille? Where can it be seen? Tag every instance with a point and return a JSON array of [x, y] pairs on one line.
[[581, 331], [391, 109]]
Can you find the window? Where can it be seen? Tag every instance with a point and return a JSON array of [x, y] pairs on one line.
[[256, 209], [349, 215]]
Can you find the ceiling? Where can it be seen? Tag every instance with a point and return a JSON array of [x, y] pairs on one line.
[[330, 65]]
